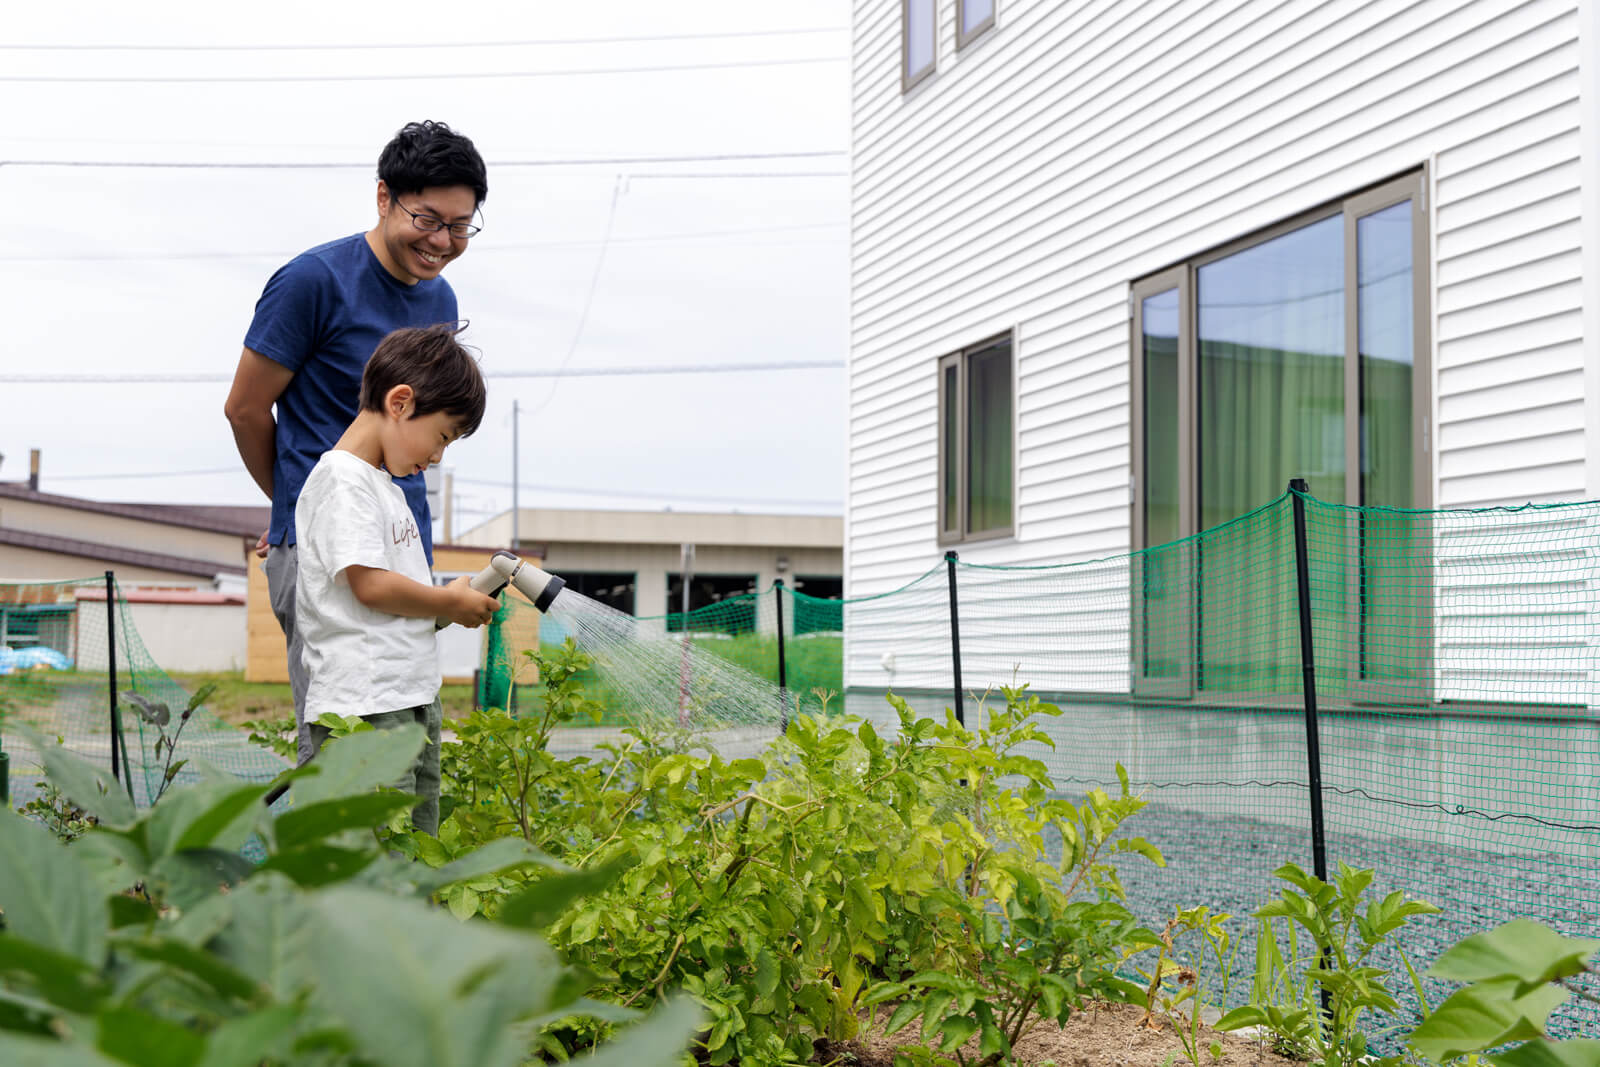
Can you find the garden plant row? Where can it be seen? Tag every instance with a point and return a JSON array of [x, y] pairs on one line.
[[658, 904]]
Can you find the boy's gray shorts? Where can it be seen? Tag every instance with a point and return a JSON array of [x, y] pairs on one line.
[[423, 776]]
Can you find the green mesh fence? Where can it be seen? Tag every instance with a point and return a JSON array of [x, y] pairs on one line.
[[58, 662]]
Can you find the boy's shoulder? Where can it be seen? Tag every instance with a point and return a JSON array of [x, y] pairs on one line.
[[338, 470]]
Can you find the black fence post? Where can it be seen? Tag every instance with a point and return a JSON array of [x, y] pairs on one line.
[[955, 637], [117, 742], [1302, 569], [783, 669]]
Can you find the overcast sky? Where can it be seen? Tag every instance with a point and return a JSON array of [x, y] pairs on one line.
[[118, 271]]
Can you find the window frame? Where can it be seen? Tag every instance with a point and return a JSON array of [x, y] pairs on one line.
[[909, 80], [955, 532], [1412, 186], [964, 38]]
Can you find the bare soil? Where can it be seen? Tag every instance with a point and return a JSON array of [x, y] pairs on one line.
[[1109, 1035]]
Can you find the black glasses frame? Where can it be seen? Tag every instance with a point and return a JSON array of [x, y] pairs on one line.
[[433, 223]]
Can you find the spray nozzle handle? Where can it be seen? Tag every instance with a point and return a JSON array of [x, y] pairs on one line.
[[492, 580]]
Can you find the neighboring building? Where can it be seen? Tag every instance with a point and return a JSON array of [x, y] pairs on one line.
[[181, 570], [48, 537], [1097, 247], [634, 560]]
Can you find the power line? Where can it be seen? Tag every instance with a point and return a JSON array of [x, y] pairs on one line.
[[620, 494], [368, 46], [575, 161], [588, 298], [580, 372], [514, 246], [635, 495], [477, 75]]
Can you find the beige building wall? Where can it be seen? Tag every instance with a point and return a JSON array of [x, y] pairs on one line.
[[19, 564], [177, 637]]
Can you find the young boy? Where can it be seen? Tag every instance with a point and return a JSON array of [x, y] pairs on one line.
[[364, 597]]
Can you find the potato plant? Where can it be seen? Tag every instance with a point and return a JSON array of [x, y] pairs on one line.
[[777, 890]]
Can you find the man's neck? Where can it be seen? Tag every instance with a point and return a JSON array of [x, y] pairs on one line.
[[379, 249]]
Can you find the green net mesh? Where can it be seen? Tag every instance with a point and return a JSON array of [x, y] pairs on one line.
[[61, 656]]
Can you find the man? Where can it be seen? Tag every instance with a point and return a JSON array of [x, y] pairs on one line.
[[317, 323]]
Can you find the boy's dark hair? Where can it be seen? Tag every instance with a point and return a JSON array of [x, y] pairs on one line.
[[426, 155], [442, 374]]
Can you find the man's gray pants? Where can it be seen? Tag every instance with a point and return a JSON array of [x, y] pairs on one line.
[[283, 569]]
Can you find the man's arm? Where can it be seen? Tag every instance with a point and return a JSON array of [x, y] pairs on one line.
[[257, 384], [395, 594]]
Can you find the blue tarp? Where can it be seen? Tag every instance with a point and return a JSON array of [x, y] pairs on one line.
[[21, 659]]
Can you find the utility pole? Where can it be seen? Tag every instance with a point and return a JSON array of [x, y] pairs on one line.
[[514, 530], [449, 506]]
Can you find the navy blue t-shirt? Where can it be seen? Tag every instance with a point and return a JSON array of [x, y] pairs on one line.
[[321, 315]]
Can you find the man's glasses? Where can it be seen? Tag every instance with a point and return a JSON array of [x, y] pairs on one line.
[[433, 224]]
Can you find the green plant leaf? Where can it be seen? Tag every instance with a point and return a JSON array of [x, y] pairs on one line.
[[186, 878], [902, 1015], [306, 823], [86, 785], [249, 1040], [267, 936], [46, 896], [659, 1041], [1529, 951], [1582, 1052], [19, 1050], [135, 1036], [1240, 1017], [64, 980], [129, 911], [318, 865], [205, 815], [547, 899], [496, 857], [359, 762], [955, 1030], [416, 988], [193, 961], [1483, 1016]]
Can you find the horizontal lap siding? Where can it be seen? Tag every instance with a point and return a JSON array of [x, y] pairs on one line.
[[1076, 147]]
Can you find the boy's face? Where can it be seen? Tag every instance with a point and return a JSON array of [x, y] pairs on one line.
[[410, 252], [411, 445]]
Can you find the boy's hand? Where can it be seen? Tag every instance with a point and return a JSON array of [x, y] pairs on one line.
[[466, 606]]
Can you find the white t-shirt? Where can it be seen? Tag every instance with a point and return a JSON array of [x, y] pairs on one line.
[[360, 661]]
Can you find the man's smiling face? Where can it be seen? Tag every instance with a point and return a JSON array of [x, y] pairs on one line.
[[408, 251]]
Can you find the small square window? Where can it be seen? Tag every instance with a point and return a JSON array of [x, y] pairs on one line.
[[919, 36], [977, 453], [973, 19]]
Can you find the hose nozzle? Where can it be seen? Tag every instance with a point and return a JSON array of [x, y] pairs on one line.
[[506, 569], [539, 586]]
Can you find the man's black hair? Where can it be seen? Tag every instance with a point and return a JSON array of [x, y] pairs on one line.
[[426, 155], [442, 374]]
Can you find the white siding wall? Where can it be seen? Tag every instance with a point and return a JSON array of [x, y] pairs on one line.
[[1079, 146]]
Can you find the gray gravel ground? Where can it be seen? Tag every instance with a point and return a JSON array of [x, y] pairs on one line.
[[1228, 864]]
